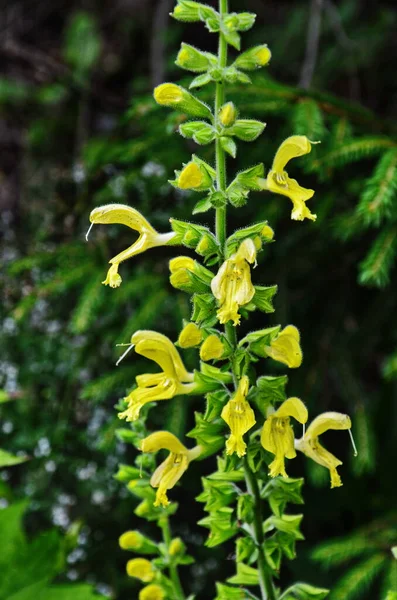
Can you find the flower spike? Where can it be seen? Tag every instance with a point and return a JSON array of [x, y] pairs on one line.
[[277, 434], [279, 182], [126, 215], [171, 470], [309, 444], [172, 381], [240, 417]]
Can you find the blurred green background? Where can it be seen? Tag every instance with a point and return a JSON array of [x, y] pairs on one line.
[[78, 127]]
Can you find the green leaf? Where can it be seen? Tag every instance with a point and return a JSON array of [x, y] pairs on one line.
[[83, 43], [246, 575], [8, 460], [352, 151], [304, 591], [377, 200], [375, 268], [308, 120], [69, 592], [202, 205], [357, 580]]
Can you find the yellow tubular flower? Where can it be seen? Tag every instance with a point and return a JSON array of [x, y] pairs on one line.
[[310, 445], [172, 381], [168, 94], [228, 114], [131, 540], [240, 417], [232, 286], [142, 569], [212, 348], [286, 348], [126, 215], [190, 336], [171, 470], [279, 182], [152, 592], [277, 434]]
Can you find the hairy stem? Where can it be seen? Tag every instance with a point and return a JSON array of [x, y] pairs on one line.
[[173, 569], [265, 577], [220, 218]]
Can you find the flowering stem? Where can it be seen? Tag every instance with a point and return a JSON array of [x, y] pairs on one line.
[[265, 578], [220, 218], [173, 569]]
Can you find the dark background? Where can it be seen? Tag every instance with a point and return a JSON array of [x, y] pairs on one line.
[[78, 128]]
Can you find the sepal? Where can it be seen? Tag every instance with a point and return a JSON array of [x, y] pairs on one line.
[[175, 96], [256, 340], [208, 435], [289, 524], [240, 21], [215, 401], [198, 238], [197, 175], [246, 550], [272, 389], [245, 508], [216, 494], [221, 525], [279, 491], [263, 298], [210, 378], [226, 592], [204, 310], [260, 233], [229, 146]]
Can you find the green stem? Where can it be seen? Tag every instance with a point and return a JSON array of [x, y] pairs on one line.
[[220, 218], [265, 577], [173, 569]]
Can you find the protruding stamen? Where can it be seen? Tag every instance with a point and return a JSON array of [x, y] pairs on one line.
[[304, 429], [353, 443], [124, 354], [88, 232]]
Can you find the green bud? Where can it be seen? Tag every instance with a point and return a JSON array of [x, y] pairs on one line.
[[136, 542], [252, 59], [207, 245], [247, 130], [177, 547], [195, 60], [196, 175], [192, 11], [201, 132], [175, 96]]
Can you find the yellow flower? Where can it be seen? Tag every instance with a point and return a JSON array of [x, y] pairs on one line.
[[232, 286], [212, 348], [171, 470], [310, 445], [182, 262], [279, 182], [174, 379], [277, 434], [190, 177], [176, 547], [263, 55], [152, 592], [126, 215], [141, 568], [286, 347], [240, 417], [190, 336]]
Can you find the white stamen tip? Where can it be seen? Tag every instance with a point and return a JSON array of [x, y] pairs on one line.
[[304, 428], [124, 354], [88, 232], [353, 443]]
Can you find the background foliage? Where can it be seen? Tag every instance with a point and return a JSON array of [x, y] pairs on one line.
[[78, 128]]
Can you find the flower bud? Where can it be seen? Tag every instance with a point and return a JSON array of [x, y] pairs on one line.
[[192, 59], [228, 114], [247, 130], [195, 175], [142, 569], [152, 592], [207, 245], [189, 11], [190, 336], [176, 547], [201, 132], [175, 96], [212, 348], [255, 58], [136, 542]]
